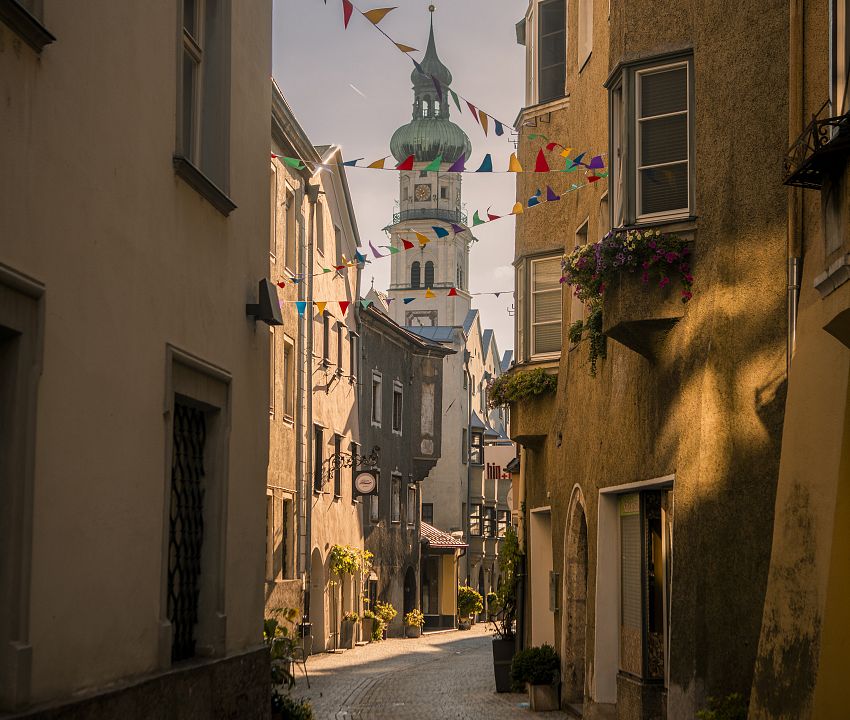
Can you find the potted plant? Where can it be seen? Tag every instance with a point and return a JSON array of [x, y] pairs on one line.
[[539, 668], [504, 617], [413, 622], [385, 612], [349, 629], [469, 601], [371, 626]]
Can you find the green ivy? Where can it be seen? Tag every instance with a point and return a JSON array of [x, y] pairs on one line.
[[591, 328], [520, 386]]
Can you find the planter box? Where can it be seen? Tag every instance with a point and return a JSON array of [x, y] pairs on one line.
[[412, 631], [348, 636], [640, 315], [531, 419], [366, 625], [543, 698], [503, 654]]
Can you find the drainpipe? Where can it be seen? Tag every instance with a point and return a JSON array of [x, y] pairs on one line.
[[307, 368], [300, 467], [523, 543], [795, 198]]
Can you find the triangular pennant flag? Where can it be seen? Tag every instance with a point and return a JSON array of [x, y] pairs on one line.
[[483, 117], [574, 187], [392, 248], [375, 16], [388, 300], [577, 159], [406, 164], [434, 165], [407, 301], [429, 294], [532, 201], [513, 164], [423, 239], [473, 110], [550, 194], [326, 270], [566, 152], [378, 164], [407, 244], [351, 163], [343, 305], [454, 97], [418, 67], [534, 136], [458, 165], [295, 280], [302, 306], [570, 166], [596, 163], [347, 7], [361, 257], [439, 231], [438, 88], [497, 294], [477, 220], [604, 173], [491, 216], [281, 284], [486, 165], [458, 228], [541, 165], [406, 48], [339, 267], [365, 304], [375, 250], [452, 293], [551, 146], [592, 178], [293, 162], [320, 306], [499, 129]]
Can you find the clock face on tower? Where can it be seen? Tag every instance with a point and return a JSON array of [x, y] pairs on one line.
[[423, 192]]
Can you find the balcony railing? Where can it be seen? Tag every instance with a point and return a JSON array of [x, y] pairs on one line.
[[823, 145], [452, 216]]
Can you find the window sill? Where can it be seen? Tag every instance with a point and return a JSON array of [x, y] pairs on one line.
[[337, 497], [203, 185], [680, 223], [397, 433], [27, 27], [376, 425], [395, 522]]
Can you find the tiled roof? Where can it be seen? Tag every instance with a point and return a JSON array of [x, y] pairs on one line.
[[438, 538]]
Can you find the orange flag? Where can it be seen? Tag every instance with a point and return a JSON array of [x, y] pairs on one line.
[[378, 164], [429, 294], [321, 307], [513, 164], [518, 209], [483, 120], [406, 48], [423, 239], [375, 16]]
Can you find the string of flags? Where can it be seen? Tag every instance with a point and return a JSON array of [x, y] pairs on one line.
[[374, 17]]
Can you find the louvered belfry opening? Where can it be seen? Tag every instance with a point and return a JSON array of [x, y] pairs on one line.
[[186, 527]]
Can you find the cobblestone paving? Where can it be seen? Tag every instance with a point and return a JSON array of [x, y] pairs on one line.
[[445, 675]]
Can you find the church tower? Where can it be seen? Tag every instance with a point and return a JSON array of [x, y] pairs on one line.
[[428, 199]]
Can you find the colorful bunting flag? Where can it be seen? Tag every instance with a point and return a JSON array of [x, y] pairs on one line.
[[552, 145], [407, 244], [499, 129], [375, 16], [375, 251], [343, 305], [406, 164], [550, 194], [365, 304], [281, 284], [459, 164], [439, 231], [429, 294], [532, 201], [351, 163], [486, 165], [476, 220], [513, 164], [457, 228], [565, 153], [434, 165], [423, 239], [392, 248], [347, 8], [593, 178], [577, 159], [454, 97], [452, 292], [378, 164], [302, 306], [483, 116], [320, 306], [492, 217], [293, 163], [518, 209], [474, 111], [361, 257], [407, 301], [541, 165], [596, 163], [405, 48]]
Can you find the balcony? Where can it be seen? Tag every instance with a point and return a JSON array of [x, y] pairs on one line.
[[531, 419], [452, 216], [821, 148]]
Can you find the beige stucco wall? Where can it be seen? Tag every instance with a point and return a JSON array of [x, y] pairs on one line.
[[132, 259]]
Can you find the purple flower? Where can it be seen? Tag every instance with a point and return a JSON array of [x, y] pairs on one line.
[[665, 281], [652, 244], [671, 257]]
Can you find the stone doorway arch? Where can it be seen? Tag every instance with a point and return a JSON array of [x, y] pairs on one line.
[[574, 623]]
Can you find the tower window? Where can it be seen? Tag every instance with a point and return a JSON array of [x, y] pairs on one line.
[[444, 193], [414, 276], [426, 106], [429, 274]]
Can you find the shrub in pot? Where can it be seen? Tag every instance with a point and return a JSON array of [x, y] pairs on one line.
[[539, 668], [372, 627], [504, 615], [413, 622], [469, 601], [385, 612]]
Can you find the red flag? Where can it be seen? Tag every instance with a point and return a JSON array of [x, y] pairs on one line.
[[551, 146], [407, 244], [541, 165], [281, 284], [406, 164], [452, 292], [343, 305], [347, 8], [474, 111]]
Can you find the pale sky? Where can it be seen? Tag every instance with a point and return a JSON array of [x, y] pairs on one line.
[[352, 88]]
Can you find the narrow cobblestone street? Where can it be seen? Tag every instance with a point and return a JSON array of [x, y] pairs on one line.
[[445, 675]]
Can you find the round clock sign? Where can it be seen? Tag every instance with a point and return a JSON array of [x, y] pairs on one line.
[[365, 483]]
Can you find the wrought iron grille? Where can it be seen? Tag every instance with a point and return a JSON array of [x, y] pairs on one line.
[[454, 216], [186, 527], [825, 140]]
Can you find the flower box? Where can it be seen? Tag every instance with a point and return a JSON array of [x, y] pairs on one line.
[[543, 698], [348, 637]]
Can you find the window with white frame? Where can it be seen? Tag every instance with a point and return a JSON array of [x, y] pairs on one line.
[[395, 498], [374, 507], [320, 227], [412, 504], [475, 520], [288, 378], [352, 355], [291, 231], [376, 399], [545, 310], [585, 31], [273, 216], [398, 398], [544, 34], [476, 449]]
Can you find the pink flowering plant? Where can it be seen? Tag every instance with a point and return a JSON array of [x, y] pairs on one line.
[[657, 256]]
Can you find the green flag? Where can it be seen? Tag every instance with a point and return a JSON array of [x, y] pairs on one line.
[[434, 165]]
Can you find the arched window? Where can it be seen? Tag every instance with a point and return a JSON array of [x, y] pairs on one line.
[[414, 276], [426, 106], [429, 274]]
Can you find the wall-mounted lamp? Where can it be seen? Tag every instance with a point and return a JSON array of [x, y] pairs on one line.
[[267, 308]]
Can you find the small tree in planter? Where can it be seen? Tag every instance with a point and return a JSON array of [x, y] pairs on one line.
[[469, 601], [413, 622], [539, 668], [504, 617], [385, 612]]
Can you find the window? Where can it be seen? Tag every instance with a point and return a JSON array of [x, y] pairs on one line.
[[412, 505], [464, 454], [318, 457], [475, 521], [397, 406], [476, 450], [272, 372], [490, 522], [273, 216], [326, 339], [289, 241], [339, 327], [652, 143], [585, 31], [504, 520], [520, 311], [459, 277], [376, 399], [545, 306], [320, 227], [337, 466], [352, 355], [840, 53], [270, 528], [444, 192], [552, 50], [374, 515], [395, 498], [286, 513], [338, 245], [576, 305], [288, 378], [404, 193], [428, 513], [414, 276], [429, 274], [204, 107]]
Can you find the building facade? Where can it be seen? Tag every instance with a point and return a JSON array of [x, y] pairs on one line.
[[135, 230], [401, 422], [642, 471]]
